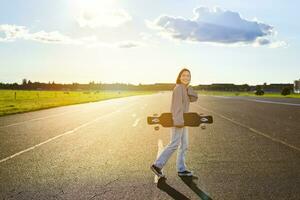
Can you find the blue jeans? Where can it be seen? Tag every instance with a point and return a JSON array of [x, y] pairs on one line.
[[179, 138]]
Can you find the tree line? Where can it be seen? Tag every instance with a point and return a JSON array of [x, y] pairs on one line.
[[28, 85]]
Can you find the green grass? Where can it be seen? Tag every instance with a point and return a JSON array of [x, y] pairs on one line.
[[35, 100], [274, 95]]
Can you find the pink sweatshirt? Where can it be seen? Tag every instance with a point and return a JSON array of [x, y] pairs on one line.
[[181, 99]]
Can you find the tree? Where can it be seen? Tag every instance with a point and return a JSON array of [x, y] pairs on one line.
[[24, 81], [259, 90], [286, 91]]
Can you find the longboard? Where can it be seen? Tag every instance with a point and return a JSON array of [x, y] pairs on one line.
[[191, 119]]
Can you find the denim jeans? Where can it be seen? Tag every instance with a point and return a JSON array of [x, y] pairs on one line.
[[179, 139]]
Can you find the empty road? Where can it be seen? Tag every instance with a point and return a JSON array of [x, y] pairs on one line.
[[103, 150]]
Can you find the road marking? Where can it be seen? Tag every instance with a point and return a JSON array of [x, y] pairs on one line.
[[259, 101], [103, 102], [136, 122], [63, 134], [159, 150], [36, 119], [274, 102], [223, 97], [251, 129]]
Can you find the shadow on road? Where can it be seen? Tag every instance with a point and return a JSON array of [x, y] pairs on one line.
[[164, 186], [188, 180]]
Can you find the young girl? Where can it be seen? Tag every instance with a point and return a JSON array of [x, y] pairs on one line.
[[182, 95]]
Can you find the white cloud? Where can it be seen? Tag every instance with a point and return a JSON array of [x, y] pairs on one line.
[[52, 37], [13, 32], [103, 18], [277, 44], [269, 42], [121, 44], [215, 26], [145, 36], [129, 44]]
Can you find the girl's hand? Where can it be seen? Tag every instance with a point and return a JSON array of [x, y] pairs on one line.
[[193, 96]]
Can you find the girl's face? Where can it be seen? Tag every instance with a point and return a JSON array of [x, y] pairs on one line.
[[185, 77]]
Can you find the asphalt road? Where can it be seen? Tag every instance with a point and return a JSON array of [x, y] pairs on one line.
[[104, 150]]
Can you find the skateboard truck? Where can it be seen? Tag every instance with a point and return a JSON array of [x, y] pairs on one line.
[[155, 120]]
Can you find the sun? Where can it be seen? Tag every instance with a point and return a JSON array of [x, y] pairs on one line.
[[97, 13], [93, 5]]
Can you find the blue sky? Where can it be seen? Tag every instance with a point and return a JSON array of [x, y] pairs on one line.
[[133, 41]]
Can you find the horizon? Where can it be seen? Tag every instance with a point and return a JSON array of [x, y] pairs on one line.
[[150, 41], [94, 82]]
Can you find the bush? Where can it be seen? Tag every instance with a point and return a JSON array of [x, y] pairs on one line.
[[259, 90], [286, 91]]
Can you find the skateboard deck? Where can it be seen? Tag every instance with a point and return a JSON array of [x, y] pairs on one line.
[[191, 119]]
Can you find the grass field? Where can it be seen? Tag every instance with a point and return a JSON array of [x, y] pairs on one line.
[[275, 95], [17, 101]]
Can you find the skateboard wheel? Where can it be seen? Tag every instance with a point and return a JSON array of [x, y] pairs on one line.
[[155, 120], [204, 120], [155, 115], [156, 128]]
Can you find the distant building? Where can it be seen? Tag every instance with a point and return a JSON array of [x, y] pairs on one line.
[[297, 86], [277, 87]]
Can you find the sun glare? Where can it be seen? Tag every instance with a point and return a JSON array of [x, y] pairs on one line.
[[94, 4], [95, 13]]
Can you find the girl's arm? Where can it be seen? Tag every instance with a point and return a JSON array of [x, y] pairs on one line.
[[193, 96], [177, 107]]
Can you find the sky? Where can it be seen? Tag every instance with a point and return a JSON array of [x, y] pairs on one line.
[[139, 41]]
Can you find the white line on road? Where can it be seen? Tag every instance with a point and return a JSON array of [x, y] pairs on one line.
[[136, 122], [259, 101], [55, 115], [159, 150], [251, 129], [223, 97], [63, 134], [274, 102], [36, 119]]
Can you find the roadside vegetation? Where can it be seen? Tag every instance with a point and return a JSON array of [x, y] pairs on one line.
[[18, 101]]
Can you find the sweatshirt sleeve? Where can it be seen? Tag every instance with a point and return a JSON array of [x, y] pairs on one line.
[[177, 107], [193, 96]]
